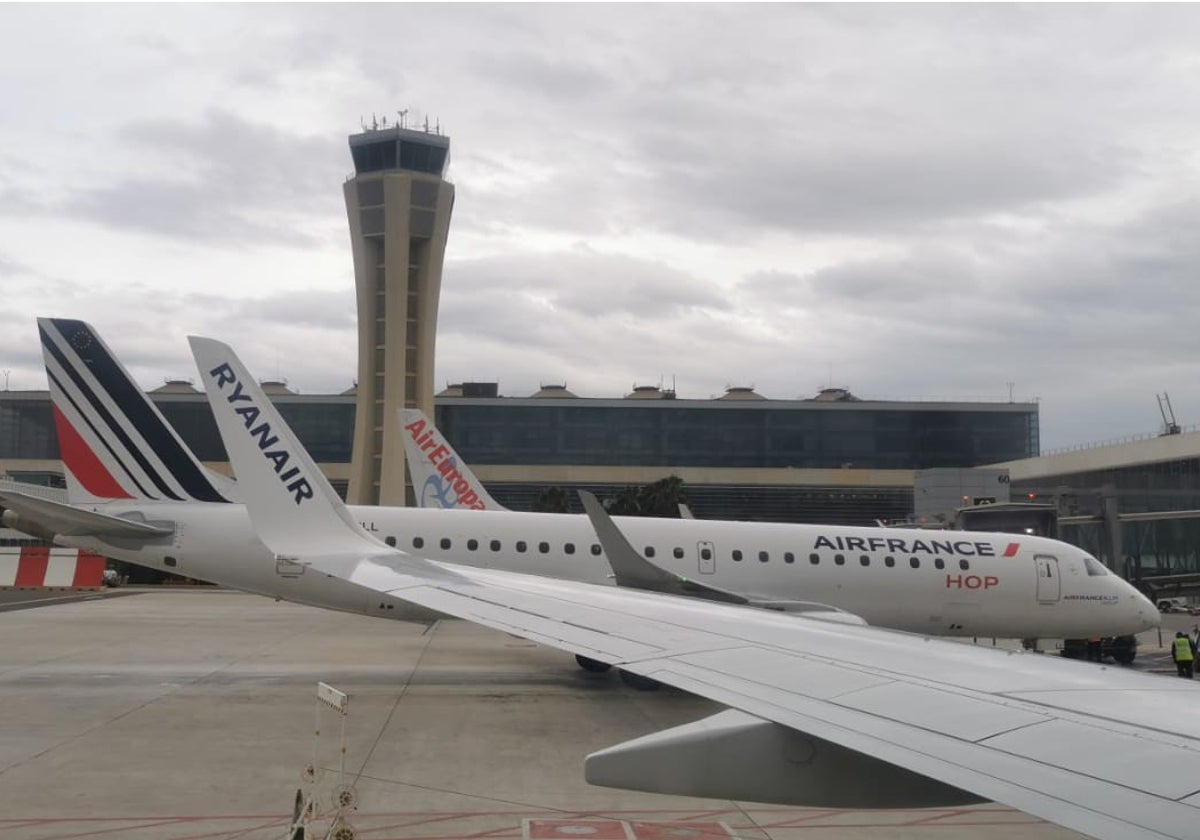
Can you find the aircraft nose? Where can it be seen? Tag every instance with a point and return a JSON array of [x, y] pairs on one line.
[[1147, 614]]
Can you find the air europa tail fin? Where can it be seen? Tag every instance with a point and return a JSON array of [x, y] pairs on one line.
[[440, 477], [113, 441]]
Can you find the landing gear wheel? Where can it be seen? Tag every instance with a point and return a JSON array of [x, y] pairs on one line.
[[345, 797], [638, 682], [593, 666], [342, 830]]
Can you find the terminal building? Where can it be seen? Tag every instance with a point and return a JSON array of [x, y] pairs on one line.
[[827, 459], [832, 458]]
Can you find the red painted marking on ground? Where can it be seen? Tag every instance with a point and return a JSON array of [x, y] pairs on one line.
[[678, 830], [593, 829]]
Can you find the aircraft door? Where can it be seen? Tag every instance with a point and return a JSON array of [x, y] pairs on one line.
[[1048, 587], [706, 558]]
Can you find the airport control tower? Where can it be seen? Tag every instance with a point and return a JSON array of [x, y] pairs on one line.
[[398, 205]]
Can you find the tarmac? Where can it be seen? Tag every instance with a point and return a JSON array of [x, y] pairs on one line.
[[189, 713]]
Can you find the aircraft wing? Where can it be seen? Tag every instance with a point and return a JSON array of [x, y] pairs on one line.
[[45, 516], [1105, 751]]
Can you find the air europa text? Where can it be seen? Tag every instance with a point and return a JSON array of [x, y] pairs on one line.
[[427, 440]]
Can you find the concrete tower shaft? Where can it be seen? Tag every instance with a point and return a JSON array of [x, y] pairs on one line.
[[398, 205]]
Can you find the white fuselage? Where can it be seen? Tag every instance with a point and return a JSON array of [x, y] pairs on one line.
[[954, 583]]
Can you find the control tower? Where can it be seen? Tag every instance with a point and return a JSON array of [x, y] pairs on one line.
[[398, 205]]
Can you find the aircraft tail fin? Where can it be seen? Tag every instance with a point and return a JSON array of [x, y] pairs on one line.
[[114, 442], [294, 509], [440, 478]]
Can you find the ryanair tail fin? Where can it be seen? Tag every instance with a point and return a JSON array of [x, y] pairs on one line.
[[113, 441], [295, 511], [441, 479]]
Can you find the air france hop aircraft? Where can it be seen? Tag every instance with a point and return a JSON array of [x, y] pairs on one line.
[[821, 714], [139, 495]]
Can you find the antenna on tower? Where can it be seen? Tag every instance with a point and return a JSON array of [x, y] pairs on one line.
[[1170, 427], [402, 115]]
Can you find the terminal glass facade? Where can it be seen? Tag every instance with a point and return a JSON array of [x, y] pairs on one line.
[[709, 433], [1155, 546], [616, 432]]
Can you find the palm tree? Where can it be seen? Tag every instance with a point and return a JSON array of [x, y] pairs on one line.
[[551, 500]]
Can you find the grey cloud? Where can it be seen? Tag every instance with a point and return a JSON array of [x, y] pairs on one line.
[[241, 182]]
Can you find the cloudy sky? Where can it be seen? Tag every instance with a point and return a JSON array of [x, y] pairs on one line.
[[960, 202]]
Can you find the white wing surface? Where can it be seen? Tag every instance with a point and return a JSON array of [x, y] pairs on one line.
[[1105, 751]]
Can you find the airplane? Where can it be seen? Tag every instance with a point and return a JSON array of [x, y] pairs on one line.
[[139, 495], [820, 713]]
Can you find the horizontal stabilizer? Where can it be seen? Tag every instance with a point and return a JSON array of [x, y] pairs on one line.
[[634, 571], [41, 517], [734, 755]]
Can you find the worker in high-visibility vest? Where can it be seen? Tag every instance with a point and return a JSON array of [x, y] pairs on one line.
[[1184, 654]]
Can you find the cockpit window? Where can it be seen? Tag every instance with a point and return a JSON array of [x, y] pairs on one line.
[[1094, 567]]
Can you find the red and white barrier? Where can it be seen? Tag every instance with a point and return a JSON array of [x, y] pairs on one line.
[[42, 566]]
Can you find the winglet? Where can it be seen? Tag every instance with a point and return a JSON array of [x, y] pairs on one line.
[[440, 477], [635, 571], [294, 509]]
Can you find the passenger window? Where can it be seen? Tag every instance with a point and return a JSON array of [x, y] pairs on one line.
[[915, 562], [678, 552], [814, 558], [569, 548], [418, 542], [865, 560], [839, 559], [788, 557], [169, 561], [544, 547], [706, 554], [495, 545], [595, 549], [521, 546], [445, 543], [649, 551], [737, 554], [390, 540], [964, 565], [472, 544], [763, 556], [939, 563], [889, 561]]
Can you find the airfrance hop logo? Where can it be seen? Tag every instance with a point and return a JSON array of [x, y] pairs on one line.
[[268, 443], [447, 487], [951, 547]]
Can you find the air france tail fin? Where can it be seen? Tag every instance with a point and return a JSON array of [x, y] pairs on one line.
[[441, 479], [113, 441]]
